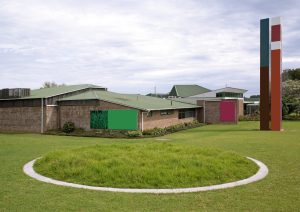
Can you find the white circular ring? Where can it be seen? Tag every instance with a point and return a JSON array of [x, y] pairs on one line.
[[262, 173]]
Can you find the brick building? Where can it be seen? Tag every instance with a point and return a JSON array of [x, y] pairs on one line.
[[86, 106], [197, 92]]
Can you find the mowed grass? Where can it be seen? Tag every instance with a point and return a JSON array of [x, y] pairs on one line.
[[154, 165], [279, 191]]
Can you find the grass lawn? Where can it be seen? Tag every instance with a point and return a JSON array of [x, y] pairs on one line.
[[279, 191], [146, 165]]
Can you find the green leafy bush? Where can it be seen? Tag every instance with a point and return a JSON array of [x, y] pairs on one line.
[[155, 131], [68, 127], [70, 130], [134, 134], [173, 128], [292, 117], [255, 116]]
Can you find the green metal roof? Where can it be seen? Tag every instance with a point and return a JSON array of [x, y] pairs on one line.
[[185, 100], [54, 91], [187, 90], [131, 100]]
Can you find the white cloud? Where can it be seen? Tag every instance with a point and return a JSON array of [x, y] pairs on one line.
[[130, 46]]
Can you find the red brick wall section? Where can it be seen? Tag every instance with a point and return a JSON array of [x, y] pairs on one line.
[[20, 119], [212, 112], [159, 121]]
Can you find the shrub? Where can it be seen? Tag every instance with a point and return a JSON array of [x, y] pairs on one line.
[[292, 117], [249, 118], [255, 116], [134, 134], [155, 131], [68, 127], [171, 129], [176, 127]]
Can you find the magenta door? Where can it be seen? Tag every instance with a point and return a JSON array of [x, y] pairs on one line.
[[228, 111]]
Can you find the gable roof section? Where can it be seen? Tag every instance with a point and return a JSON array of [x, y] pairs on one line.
[[59, 90], [131, 100], [185, 100], [214, 92], [187, 90]]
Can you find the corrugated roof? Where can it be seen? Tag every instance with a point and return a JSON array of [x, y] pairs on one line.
[[187, 90], [54, 91], [185, 100], [230, 90], [214, 92], [131, 100]]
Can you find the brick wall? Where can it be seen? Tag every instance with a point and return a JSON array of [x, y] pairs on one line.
[[240, 107], [28, 119], [20, 119], [80, 115], [51, 118], [157, 120]]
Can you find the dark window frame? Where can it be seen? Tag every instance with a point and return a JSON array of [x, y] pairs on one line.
[[186, 113]]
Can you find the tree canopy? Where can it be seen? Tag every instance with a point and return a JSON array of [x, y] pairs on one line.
[[48, 84]]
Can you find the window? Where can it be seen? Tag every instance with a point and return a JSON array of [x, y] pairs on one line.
[[186, 113], [228, 94], [166, 112]]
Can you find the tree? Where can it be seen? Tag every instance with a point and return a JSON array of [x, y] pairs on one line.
[[291, 89], [291, 74], [290, 96], [48, 84]]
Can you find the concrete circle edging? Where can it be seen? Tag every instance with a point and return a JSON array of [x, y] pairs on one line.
[[262, 173]]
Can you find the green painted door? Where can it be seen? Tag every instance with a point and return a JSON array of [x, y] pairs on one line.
[[99, 119]]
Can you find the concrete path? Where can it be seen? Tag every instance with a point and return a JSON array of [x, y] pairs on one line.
[[262, 173]]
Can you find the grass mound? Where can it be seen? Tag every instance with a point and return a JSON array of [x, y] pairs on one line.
[[147, 165]]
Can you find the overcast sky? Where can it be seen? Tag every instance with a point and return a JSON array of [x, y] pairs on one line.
[[131, 46]]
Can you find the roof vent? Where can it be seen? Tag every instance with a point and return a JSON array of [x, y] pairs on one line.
[[7, 93]]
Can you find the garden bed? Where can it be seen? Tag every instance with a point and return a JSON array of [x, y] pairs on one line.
[[104, 133]]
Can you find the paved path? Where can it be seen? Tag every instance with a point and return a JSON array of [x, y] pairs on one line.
[[262, 173]]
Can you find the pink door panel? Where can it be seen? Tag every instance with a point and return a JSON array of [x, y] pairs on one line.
[[228, 111]]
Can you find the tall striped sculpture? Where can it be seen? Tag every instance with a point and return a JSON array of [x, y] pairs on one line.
[[270, 74]]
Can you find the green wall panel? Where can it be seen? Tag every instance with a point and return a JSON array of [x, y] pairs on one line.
[[122, 119]]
